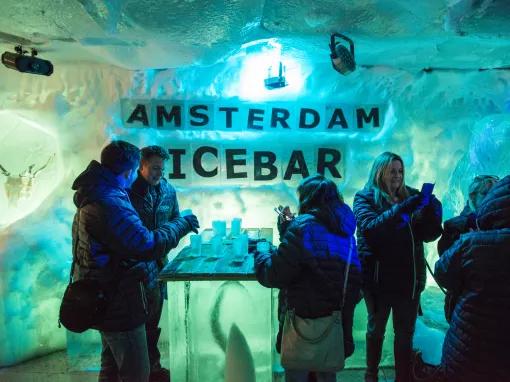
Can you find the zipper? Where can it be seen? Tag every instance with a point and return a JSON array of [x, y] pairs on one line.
[[414, 258], [144, 297], [376, 273]]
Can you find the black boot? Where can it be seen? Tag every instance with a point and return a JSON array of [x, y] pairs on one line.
[[402, 351], [374, 350]]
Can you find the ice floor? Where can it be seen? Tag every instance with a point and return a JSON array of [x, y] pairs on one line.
[[55, 368]]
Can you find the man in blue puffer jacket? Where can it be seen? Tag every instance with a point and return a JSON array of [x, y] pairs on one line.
[[108, 236], [155, 201], [477, 267]]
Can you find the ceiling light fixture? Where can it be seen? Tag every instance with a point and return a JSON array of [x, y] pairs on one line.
[[342, 58], [27, 64]]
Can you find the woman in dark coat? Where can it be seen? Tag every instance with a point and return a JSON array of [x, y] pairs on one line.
[[309, 266], [478, 267], [464, 223], [393, 223]]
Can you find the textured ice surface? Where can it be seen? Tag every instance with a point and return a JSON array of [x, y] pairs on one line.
[[447, 125]]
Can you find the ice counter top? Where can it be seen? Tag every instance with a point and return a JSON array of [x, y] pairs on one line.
[[208, 265]]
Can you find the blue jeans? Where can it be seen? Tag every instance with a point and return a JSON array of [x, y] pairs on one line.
[[124, 356], [303, 376]]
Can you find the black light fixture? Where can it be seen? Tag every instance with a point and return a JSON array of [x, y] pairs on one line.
[[342, 58], [276, 81], [27, 64]]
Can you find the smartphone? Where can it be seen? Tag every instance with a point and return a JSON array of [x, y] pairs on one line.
[[427, 188]]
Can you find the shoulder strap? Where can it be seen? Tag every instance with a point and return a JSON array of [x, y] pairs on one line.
[[75, 247], [346, 277]]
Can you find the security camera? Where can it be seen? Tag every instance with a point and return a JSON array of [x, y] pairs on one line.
[[27, 64]]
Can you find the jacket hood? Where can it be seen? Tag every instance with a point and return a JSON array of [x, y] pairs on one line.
[[338, 219], [94, 183], [494, 211]]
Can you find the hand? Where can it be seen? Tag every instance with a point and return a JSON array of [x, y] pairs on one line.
[[284, 219], [192, 220], [412, 203]]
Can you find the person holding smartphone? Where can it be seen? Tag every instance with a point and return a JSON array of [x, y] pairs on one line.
[[393, 220]]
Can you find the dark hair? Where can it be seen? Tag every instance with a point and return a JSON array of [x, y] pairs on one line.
[[150, 151], [318, 194], [119, 156]]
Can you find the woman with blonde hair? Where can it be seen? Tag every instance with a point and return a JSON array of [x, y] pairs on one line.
[[393, 222]]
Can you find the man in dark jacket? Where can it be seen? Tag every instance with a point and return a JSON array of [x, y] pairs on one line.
[[108, 236], [478, 266], [156, 202]]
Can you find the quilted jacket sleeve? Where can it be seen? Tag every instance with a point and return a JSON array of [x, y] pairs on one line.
[[124, 232], [448, 268], [428, 222], [372, 224], [280, 269]]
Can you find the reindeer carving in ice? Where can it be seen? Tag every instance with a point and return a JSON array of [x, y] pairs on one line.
[[19, 187]]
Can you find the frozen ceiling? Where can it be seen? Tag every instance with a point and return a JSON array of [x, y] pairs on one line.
[[136, 34]]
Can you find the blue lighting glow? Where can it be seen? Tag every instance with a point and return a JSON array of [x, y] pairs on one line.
[[262, 60]]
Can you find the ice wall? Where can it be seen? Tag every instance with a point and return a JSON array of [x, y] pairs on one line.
[[59, 122], [447, 125]]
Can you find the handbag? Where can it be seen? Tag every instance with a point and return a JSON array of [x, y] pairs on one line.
[[84, 303], [315, 344], [83, 306]]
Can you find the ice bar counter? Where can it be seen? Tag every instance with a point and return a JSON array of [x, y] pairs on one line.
[[222, 322]]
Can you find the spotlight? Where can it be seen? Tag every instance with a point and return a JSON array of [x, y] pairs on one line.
[[27, 64], [276, 81], [341, 58]]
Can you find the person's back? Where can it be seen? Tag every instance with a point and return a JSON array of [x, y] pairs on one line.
[[478, 267], [310, 264], [107, 236]]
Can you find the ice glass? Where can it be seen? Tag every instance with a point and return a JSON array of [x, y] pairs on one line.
[[219, 227]]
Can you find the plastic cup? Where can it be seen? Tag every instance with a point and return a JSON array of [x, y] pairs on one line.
[[235, 227], [186, 212], [217, 245]]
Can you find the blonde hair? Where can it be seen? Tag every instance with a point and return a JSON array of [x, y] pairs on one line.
[[375, 180]]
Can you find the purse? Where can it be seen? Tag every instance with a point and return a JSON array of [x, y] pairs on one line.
[[83, 306], [84, 303], [315, 344]]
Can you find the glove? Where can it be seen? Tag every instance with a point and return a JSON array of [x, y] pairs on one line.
[[192, 220], [411, 204]]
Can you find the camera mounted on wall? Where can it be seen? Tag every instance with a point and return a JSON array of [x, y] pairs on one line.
[[342, 58], [23, 63]]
